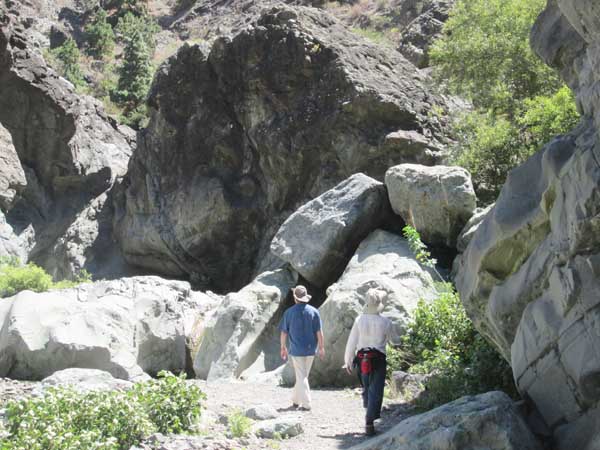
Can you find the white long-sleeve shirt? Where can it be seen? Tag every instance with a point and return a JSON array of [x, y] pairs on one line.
[[369, 330]]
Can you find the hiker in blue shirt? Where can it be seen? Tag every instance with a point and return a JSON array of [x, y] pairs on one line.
[[302, 324]]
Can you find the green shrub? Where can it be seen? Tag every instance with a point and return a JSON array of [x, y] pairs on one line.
[[132, 27], [239, 425], [64, 419], [172, 405], [100, 36], [442, 341], [15, 278]]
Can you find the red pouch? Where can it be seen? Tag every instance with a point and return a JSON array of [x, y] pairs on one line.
[[365, 365]]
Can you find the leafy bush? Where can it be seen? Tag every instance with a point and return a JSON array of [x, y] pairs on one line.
[[15, 278], [64, 419], [239, 425], [100, 36], [172, 406], [442, 341]]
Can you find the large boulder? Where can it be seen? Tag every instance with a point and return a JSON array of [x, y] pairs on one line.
[[12, 176], [438, 201], [70, 153], [239, 330], [244, 132], [488, 421], [126, 327], [320, 237], [382, 261], [530, 275]]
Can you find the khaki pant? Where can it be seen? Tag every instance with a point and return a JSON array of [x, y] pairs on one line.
[[301, 393]]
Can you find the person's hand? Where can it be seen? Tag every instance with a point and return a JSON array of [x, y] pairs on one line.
[[321, 352], [348, 370], [284, 353]]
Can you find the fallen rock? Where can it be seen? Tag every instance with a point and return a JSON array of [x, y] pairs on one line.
[[261, 412], [84, 380], [438, 201], [284, 427], [185, 442], [319, 238], [234, 337], [127, 327], [382, 261], [243, 133], [408, 385], [488, 421]]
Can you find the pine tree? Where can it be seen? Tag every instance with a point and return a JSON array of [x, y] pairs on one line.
[[68, 58], [135, 75], [100, 36]]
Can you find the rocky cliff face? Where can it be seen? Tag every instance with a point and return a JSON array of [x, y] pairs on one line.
[[65, 154], [529, 277], [244, 132]]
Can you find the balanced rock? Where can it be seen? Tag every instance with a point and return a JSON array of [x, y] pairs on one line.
[[382, 261], [488, 421], [243, 133], [234, 337], [320, 237], [438, 201], [126, 327]]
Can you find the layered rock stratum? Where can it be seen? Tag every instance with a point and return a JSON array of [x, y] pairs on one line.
[[529, 277]]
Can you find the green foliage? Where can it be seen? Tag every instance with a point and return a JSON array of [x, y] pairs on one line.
[[131, 26], [64, 419], [485, 54], [66, 57], [15, 278], [442, 341], [239, 425], [417, 246], [520, 103], [172, 406], [100, 36]]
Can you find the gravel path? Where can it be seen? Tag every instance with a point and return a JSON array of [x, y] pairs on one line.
[[335, 422]]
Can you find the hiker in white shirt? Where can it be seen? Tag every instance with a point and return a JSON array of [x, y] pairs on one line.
[[365, 349]]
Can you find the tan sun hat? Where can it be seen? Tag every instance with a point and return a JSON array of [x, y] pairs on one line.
[[301, 294], [374, 301]]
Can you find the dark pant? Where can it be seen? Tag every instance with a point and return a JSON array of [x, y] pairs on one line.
[[373, 385]]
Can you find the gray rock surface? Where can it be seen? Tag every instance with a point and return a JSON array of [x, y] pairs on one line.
[[382, 261], [529, 277], [12, 176], [283, 427], [243, 133], [438, 201], [488, 421], [465, 236], [70, 152], [84, 380], [127, 327], [240, 328], [261, 412], [320, 237]]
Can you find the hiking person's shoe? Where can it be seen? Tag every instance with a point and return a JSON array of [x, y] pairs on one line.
[[303, 408], [370, 429]]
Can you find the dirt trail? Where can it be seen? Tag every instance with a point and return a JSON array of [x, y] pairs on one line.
[[335, 422]]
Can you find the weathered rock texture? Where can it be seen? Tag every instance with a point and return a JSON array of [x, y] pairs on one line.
[[488, 421], [438, 201], [70, 153], [242, 135], [382, 261], [12, 177], [127, 327], [321, 236], [240, 327], [530, 276]]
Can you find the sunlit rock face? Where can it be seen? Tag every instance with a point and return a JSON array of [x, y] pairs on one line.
[[530, 276]]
